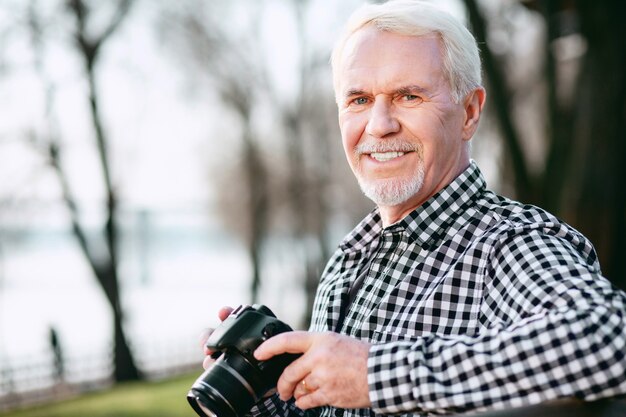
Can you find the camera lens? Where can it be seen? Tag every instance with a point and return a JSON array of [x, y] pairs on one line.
[[227, 389], [201, 409]]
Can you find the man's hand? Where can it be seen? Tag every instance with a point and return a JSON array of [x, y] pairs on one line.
[[222, 314], [331, 371]]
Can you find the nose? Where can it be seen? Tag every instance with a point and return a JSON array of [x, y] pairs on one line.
[[381, 121]]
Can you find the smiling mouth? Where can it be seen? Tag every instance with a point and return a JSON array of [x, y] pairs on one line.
[[386, 156]]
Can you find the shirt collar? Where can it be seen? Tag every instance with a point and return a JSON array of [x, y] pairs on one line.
[[428, 223]]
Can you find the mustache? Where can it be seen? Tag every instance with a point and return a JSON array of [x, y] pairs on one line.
[[391, 145]]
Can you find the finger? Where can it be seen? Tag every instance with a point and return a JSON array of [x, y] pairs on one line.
[[208, 362], [290, 342], [204, 336], [300, 390], [291, 378], [303, 388], [311, 400], [224, 312]]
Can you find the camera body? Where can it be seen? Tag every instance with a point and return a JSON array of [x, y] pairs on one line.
[[244, 330], [237, 380]]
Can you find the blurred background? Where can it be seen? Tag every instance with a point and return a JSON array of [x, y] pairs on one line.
[[159, 160]]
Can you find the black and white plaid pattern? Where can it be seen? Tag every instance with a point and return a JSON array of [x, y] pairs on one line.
[[472, 302]]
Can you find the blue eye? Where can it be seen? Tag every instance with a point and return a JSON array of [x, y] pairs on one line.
[[411, 99], [360, 100]]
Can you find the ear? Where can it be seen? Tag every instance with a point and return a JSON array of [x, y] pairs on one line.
[[473, 106]]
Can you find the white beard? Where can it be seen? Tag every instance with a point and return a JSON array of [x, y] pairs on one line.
[[395, 191], [392, 192]]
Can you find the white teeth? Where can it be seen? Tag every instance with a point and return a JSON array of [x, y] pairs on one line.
[[386, 156]]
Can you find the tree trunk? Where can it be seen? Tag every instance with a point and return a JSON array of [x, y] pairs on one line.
[[499, 92], [125, 368], [124, 364], [257, 205], [600, 200]]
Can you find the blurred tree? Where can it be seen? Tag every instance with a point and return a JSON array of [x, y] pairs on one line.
[[240, 83], [308, 118], [104, 265], [580, 176], [287, 138]]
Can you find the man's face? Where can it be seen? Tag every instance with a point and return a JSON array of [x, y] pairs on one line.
[[403, 135]]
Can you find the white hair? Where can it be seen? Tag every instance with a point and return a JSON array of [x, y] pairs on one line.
[[461, 60]]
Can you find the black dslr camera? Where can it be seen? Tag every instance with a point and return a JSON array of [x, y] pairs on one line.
[[237, 380]]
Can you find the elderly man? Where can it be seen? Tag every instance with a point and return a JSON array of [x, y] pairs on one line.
[[446, 298]]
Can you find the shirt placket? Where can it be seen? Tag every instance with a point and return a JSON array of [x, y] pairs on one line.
[[379, 281]]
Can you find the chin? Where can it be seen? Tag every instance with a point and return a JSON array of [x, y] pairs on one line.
[[391, 192]]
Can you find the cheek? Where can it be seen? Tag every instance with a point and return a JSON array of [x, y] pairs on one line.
[[351, 128], [440, 135]]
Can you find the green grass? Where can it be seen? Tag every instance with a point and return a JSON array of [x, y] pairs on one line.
[[134, 399]]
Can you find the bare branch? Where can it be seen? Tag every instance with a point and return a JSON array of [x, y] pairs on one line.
[[123, 8], [52, 144], [91, 47]]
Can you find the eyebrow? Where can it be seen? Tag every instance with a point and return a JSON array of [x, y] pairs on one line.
[[407, 89], [411, 89], [353, 92]]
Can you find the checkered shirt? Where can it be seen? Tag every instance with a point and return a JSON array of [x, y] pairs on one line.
[[473, 302]]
